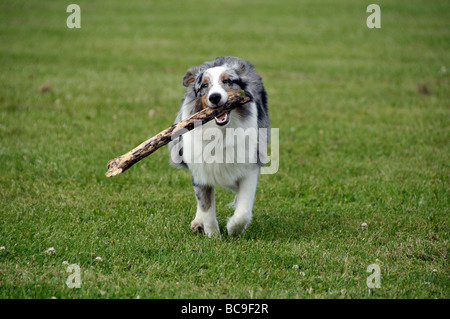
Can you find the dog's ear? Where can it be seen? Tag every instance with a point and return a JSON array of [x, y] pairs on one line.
[[242, 68], [189, 77]]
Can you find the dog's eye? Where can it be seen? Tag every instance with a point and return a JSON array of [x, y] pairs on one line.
[[204, 86], [226, 81]]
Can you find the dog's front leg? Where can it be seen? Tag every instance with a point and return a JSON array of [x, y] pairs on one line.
[[205, 218], [244, 204]]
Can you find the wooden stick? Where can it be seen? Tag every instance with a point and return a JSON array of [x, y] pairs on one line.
[[122, 163]]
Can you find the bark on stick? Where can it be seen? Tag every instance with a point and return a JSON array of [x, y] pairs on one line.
[[122, 163]]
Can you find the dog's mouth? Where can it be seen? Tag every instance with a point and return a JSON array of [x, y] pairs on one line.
[[223, 119]]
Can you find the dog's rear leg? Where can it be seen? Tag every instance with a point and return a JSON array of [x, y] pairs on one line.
[[205, 218], [245, 197]]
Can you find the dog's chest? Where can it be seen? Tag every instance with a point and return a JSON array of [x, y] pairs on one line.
[[214, 155]]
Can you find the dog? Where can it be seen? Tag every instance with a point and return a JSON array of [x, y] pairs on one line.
[[209, 85]]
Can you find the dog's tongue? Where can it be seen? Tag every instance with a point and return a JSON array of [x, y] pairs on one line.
[[222, 118]]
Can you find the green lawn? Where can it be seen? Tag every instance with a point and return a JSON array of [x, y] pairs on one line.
[[363, 116]]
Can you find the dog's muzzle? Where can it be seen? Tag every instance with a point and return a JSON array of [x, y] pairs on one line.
[[215, 100]]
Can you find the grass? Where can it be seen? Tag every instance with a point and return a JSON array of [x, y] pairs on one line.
[[359, 143]]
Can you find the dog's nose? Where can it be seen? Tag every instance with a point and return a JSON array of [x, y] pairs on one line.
[[215, 98]]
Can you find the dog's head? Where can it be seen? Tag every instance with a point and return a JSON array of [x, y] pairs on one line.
[[212, 86]]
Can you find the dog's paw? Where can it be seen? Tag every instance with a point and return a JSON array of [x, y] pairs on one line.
[[197, 226], [212, 230], [214, 234], [237, 225]]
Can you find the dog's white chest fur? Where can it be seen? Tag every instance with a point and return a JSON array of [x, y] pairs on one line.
[[212, 157]]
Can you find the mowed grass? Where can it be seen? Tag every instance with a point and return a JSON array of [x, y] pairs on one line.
[[363, 116]]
